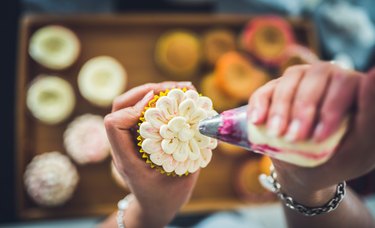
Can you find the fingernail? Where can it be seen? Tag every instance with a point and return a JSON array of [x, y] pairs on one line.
[[274, 126], [184, 84], [254, 116], [317, 136], [292, 134]]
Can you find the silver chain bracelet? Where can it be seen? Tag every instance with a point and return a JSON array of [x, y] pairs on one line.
[[270, 183], [122, 206]]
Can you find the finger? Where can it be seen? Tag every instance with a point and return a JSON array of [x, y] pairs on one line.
[[132, 96], [282, 98], [259, 102], [309, 94], [339, 98], [117, 125]]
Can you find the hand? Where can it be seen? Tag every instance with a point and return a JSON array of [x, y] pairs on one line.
[[310, 101], [158, 197]]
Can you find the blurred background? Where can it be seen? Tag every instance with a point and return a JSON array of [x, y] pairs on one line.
[[263, 37]]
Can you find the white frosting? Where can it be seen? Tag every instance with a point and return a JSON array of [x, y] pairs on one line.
[[307, 153], [171, 135], [101, 79], [50, 99], [50, 179], [85, 139], [55, 47]]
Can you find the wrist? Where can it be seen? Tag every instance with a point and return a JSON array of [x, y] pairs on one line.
[[306, 196], [138, 216]]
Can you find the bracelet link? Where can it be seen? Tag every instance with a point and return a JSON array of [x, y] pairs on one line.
[[270, 183]]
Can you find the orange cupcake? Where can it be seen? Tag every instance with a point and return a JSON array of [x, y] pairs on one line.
[[178, 53], [264, 165], [220, 100], [247, 185], [216, 43], [237, 76], [266, 37], [297, 54], [231, 150]]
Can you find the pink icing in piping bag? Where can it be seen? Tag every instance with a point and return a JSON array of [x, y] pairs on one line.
[[233, 127], [229, 126]]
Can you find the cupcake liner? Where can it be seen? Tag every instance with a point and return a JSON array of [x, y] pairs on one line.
[[140, 139]]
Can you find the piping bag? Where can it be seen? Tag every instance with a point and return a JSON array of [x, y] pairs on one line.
[[232, 126]]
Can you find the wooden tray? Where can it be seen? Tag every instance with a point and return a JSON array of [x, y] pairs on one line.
[[130, 39]]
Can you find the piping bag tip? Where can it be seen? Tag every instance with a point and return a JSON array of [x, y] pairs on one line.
[[229, 126]]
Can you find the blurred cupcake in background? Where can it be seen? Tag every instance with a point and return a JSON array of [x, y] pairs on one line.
[[178, 53], [50, 179], [54, 47], [247, 185], [217, 42], [85, 139], [296, 54], [237, 76], [50, 99], [220, 100], [266, 37], [101, 79], [231, 150]]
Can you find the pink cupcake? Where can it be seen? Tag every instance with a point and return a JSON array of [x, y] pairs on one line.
[[50, 179], [85, 139]]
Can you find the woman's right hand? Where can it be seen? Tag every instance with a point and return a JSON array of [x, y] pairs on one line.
[[320, 93]]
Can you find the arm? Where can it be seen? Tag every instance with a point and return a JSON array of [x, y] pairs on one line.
[[350, 213], [317, 97], [157, 197]]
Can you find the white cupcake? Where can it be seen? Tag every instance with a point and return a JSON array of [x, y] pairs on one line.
[[50, 99], [169, 136], [101, 79], [54, 47], [85, 139], [50, 179]]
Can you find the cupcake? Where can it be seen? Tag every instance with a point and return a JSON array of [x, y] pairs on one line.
[[247, 185], [216, 43], [265, 164], [237, 76], [296, 54], [178, 53], [169, 137], [50, 179], [54, 47], [231, 150], [50, 99], [266, 37], [85, 139], [101, 79], [118, 178], [220, 99]]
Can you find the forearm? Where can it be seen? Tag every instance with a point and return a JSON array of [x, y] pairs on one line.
[[350, 213], [136, 217]]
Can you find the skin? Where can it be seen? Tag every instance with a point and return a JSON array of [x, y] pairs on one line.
[[318, 97], [158, 197], [313, 96]]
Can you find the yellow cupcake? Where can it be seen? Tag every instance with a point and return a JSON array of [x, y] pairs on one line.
[[216, 43], [178, 53]]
